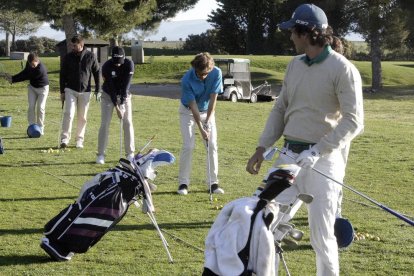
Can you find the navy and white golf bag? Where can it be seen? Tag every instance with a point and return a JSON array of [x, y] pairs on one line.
[[241, 242], [102, 203]]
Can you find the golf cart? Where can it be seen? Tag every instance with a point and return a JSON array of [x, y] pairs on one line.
[[237, 81]]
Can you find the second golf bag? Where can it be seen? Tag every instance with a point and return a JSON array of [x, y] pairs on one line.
[[240, 242], [101, 204]]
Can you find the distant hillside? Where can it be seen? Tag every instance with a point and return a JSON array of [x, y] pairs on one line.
[[174, 30]]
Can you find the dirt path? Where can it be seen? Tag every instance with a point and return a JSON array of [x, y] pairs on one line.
[[171, 91]]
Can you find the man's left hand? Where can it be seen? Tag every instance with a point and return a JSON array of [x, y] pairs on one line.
[[308, 158]]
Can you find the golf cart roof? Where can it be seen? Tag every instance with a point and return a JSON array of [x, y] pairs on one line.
[[232, 60]]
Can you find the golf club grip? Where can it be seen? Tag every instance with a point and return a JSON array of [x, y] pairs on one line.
[[398, 215]]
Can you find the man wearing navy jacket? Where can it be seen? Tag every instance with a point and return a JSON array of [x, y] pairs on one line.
[[117, 74]]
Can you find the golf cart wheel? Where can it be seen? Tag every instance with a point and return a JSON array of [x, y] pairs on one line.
[[233, 97], [253, 98]]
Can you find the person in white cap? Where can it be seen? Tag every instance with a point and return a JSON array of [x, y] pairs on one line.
[[117, 74], [319, 112]]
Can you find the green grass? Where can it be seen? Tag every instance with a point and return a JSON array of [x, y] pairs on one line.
[[35, 186]]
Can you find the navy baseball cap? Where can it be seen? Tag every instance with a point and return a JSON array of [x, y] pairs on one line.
[[118, 55], [307, 15]]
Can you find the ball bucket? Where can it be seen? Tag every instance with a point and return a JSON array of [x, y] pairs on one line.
[[33, 131], [6, 121], [344, 232]]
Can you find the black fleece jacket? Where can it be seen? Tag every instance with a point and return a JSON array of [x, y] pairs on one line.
[[37, 76], [76, 72]]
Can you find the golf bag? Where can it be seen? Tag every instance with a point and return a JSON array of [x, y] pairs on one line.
[[241, 242], [101, 204], [1, 146]]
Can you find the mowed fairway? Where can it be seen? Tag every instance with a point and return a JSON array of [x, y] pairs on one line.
[[36, 185]]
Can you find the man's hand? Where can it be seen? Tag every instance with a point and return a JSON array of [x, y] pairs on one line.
[[120, 110], [255, 162], [308, 158], [98, 96]]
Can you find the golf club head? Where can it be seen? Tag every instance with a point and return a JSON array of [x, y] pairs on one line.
[[268, 154], [283, 208], [284, 227], [307, 198], [296, 234], [290, 243]]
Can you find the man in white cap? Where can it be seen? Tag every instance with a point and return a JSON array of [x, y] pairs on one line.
[[117, 74], [319, 112]]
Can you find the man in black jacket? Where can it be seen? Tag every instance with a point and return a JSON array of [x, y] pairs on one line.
[[38, 89], [75, 87], [117, 74]]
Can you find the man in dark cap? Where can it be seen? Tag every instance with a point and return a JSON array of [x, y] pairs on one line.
[[117, 74]]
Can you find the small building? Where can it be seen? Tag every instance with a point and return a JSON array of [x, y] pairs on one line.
[[97, 46]]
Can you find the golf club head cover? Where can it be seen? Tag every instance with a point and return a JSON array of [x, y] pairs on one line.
[[279, 179]]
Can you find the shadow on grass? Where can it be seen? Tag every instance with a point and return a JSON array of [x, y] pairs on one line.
[[35, 198], [406, 65], [390, 93], [15, 138], [43, 164], [167, 226], [300, 247], [24, 231], [23, 260]]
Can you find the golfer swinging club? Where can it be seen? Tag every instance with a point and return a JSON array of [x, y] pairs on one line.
[[319, 112], [117, 74], [199, 89]]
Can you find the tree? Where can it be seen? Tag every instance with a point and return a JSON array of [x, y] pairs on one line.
[[104, 18], [204, 42], [17, 23], [382, 24]]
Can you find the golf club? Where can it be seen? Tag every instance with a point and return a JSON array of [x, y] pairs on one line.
[[147, 144], [120, 138], [296, 234], [209, 171], [154, 222], [385, 208], [61, 122], [290, 210]]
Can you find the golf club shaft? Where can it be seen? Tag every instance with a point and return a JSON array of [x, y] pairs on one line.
[[147, 144], [164, 242], [61, 123], [120, 138], [208, 168], [385, 208]]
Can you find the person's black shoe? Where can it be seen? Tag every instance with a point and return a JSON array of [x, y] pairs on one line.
[[182, 189], [215, 189], [63, 146]]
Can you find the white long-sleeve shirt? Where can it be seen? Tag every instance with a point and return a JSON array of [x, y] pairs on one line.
[[321, 103]]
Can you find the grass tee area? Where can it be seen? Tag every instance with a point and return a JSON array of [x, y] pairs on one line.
[[36, 185]]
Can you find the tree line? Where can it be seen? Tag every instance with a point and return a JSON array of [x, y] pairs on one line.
[[250, 27], [239, 27]]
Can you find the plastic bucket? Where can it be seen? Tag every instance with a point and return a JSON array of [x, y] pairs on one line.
[[33, 131], [6, 121]]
